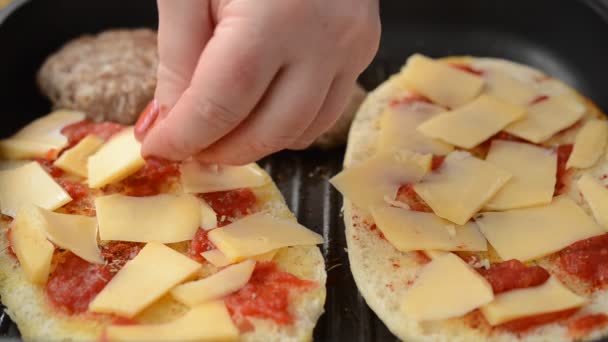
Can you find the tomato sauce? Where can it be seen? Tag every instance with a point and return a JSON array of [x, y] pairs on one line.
[[9, 248], [587, 260], [484, 147], [539, 99], [466, 68], [51, 169], [266, 296], [232, 204], [563, 175], [513, 274], [436, 162], [149, 180], [521, 325], [585, 324], [79, 130], [374, 228], [200, 243], [422, 258], [411, 98], [408, 195]]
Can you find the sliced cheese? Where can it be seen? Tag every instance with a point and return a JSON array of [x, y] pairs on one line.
[[504, 86], [446, 287], [75, 159], [531, 233], [116, 160], [30, 184], [474, 123], [218, 259], [411, 230], [215, 286], [162, 218], [398, 130], [260, 233], [461, 186], [209, 322], [441, 83], [29, 242], [208, 216], [40, 136], [596, 196], [369, 182], [589, 144], [534, 172], [547, 117], [198, 178], [552, 296], [151, 274]]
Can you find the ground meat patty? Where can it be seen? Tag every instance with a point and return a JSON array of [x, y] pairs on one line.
[[110, 76]]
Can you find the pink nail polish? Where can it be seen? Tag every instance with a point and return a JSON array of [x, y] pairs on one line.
[[146, 119]]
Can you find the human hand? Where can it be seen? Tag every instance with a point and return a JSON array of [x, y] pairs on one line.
[[240, 79]]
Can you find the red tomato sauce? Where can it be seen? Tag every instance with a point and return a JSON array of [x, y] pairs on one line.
[[231, 204], [521, 325], [51, 169], [513, 274], [411, 98], [422, 258], [484, 147], [9, 248], [563, 175], [374, 228], [587, 260], [466, 68], [200, 243], [266, 296], [149, 180], [539, 99], [436, 162], [584, 325], [408, 195], [79, 130]]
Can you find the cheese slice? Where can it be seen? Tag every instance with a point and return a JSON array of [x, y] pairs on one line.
[[552, 296], [461, 186], [534, 172], [40, 136], [547, 117], [33, 250], [218, 259], [369, 182], [596, 196], [116, 160], [215, 286], [209, 322], [162, 218], [439, 82], [505, 87], [30, 184], [589, 144], [474, 123], [198, 178], [260, 233], [410, 230], [208, 216], [75, 159], [531, 233], [398, 130], [446, 287], [144, 279]]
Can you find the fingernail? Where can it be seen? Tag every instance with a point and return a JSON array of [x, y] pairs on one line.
[[146, 119]]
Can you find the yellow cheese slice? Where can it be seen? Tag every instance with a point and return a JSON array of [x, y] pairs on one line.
[[409, 230], [398, 130], [505, 87], [197, 178], [215, 286], [30, 184], [461, 186], [446, 287], [31, 246], [596, 196], [218, 259], [40, 136], [209, 322], [534, 173], [208, 216], [151, 274], [369, 182], [162, 218], [552, 296], [531, 233], [75, 159], [439, 82], [260, 233], [589, 144], [547, 117], [474, 123], [116, 160]]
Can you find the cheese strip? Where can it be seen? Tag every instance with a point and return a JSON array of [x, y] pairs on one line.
[[547, 117], [531, 233], [439, 82], [215, 286], [40, 136], [144, 279], [162, 218], [505, 87], [218, 259], [596, 196], [446, 287], [461, 186], [197, 178], [551, 296], [209, 322], [410, 230], [33, 250], [260, 233], [75, 159], [116, 160], [589, 144], [474, 123], [30, 184], [534, 172], [208, 216]]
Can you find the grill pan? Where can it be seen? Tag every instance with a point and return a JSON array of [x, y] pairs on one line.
[[566, 38]]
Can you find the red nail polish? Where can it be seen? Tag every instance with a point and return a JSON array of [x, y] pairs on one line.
[[146, 119]]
